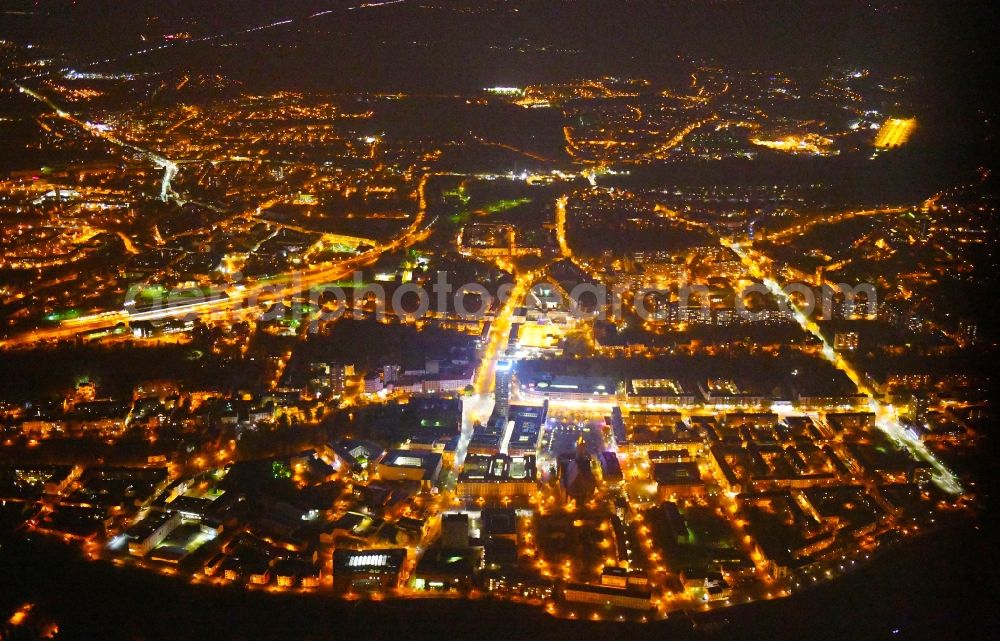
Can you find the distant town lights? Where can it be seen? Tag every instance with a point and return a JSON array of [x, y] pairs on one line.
[[505, 91]]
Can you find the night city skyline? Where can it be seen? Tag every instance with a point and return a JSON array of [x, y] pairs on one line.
[[497, 319]]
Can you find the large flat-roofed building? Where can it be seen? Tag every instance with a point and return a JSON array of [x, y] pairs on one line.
[[486, 439], [440, 571], [572, 388], [661, 431], [834, 389], [410, 465], [751, 419], [497, 476], [677, 479], [455, 531], [608, 596], [526, 431], [367, 570], [725, 393], [658, 392], [150, 532], [355, 456]]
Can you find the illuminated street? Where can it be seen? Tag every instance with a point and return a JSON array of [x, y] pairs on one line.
[[498, 319]]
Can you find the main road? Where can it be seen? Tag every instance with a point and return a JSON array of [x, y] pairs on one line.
[[886, 416], [478, 406]]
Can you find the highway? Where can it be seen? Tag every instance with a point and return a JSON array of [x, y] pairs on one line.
[[280, 289], [212, 37], [170, 168]]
